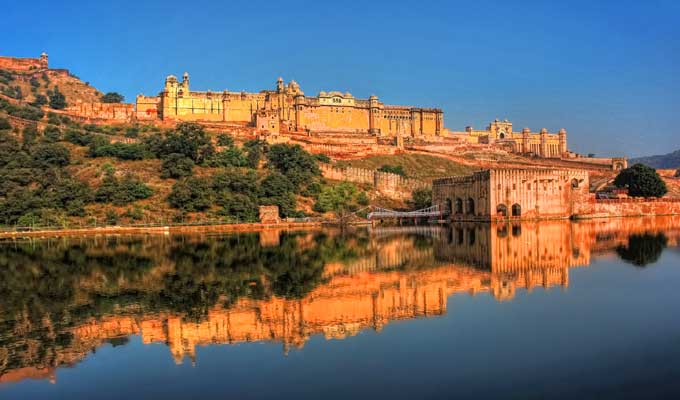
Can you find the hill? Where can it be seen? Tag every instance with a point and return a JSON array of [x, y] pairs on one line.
[[662, 161]]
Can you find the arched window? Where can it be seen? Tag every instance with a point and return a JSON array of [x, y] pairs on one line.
[[516, 210], [502, 135], [502, 210], [470, 206], [471, 236], [459, 206], [574, 183], [448, 208]]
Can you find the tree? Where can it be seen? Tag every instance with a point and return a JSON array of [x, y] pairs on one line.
[[231, 157], [4, 124], [47, 155], [421, 198], [225, 140], [29, 134], [337, 197], [641, 181], [57, 99], [294, 162], [112, 97], [40, 100], [279, 191], [189, 139], [176, 166], [191, 194], [255, 149], [393, 169], [51, 133]]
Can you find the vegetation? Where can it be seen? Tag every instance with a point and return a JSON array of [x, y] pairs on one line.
[[121, 191], [421, 198], [641, 181], [643, 250], [112, 97], [393, 169], [341, 197], [416, 166], [57, 100], [176, 166]]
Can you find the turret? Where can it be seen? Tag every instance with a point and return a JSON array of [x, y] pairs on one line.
[[43, 61], [373, 109], [544, 143], [526, 135], [563, 141], [185, 82]]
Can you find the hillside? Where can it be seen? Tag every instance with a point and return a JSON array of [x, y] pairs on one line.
[[27, 86], [417, 166], [662, 161]]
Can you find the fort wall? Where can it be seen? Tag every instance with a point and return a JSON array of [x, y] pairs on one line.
[[391, 185]]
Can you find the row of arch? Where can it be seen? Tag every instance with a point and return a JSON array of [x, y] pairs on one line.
[[460, 207], [515, 210]]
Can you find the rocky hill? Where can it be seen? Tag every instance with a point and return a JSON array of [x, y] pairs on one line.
[[28, 84], [662, 161]]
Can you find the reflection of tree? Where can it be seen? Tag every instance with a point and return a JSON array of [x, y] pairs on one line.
[[643, 249]]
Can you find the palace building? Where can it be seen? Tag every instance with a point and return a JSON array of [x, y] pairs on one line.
[[499, 194], [286, 108]]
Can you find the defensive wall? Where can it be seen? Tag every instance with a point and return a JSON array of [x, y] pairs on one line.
[[388, 184]]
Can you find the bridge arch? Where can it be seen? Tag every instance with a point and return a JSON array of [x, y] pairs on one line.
[[516, 210], [470, 206], [502, 210]]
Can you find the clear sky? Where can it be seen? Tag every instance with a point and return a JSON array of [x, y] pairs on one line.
[[607, 71]]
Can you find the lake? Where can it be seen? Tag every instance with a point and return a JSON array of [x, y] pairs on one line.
[[533, 310]]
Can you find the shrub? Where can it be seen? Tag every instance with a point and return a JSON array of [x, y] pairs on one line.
[[40, 100], [112, 97], [255, 149], [641, 181], [322, 158], [47, 155], [188, 139], [191, 194], [57, 99], [421, 198], [176, 166], [101, 147], [336, 197], [4, 124], [225, 140], [29, 134], [52, 133], [294, 162], [111, 217], [393, 169], [78, 137], [119, 192], [231, 157]]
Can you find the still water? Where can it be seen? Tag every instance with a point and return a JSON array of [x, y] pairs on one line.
[[537, 310]]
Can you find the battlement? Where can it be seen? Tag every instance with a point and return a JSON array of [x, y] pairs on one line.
[[24, 64]]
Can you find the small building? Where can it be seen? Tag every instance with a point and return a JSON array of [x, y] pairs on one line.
[[511, 193], [269, 215]]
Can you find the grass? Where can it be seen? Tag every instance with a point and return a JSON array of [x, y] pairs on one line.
[[418, 166]]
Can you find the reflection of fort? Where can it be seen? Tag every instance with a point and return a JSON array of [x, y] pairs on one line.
[[395, 277]]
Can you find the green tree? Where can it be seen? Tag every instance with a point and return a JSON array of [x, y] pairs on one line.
[[225, 140], [421, 198], [191, 194], [336, 197], [29, 135], [393, 169], [47, 155], [641, 181], [230, 157], [188, 139], [278, 190], [52, 134], [40, 100], [57, 99], [4, 124], [176, 166], [294, 162], [112, 97]]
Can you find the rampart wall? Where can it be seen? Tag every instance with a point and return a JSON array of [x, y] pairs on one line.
[[388, 184]]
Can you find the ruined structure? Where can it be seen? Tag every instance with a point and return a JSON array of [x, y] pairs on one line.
[[512, 193]]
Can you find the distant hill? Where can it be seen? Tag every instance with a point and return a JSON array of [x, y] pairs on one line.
[[664, 161]]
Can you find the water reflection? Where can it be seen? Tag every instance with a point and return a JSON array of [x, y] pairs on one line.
[[63, 298]]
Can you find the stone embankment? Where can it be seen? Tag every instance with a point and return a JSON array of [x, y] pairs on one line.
[[605, 208]]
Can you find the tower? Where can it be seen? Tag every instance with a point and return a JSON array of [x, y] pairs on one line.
[[373, 109], [526, 147], [544, 143], [563, 141], [185, 82], [43, 61]]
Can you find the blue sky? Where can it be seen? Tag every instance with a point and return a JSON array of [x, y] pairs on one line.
[[607, 71]]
